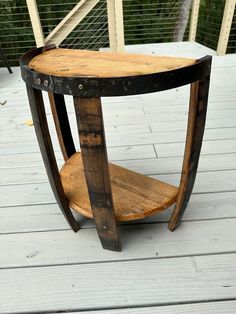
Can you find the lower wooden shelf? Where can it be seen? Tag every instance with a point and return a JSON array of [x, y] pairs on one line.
[[135, 196]]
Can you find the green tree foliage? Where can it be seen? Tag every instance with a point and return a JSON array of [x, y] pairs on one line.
[[149, 21], [232, 38], [209, 22], [16, 35], [15, 29]]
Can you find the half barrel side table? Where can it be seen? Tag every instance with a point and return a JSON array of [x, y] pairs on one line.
[[87, 183]]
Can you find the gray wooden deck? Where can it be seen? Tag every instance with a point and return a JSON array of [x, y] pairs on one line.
[[46, 268]]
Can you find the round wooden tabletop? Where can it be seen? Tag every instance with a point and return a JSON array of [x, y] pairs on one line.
[[84, 63]]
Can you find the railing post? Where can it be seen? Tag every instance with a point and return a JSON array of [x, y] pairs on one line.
[[116, 25], [226, 27], [35, 21], [194, 20]]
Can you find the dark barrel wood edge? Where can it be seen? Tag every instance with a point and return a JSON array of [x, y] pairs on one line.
[[196, 125]]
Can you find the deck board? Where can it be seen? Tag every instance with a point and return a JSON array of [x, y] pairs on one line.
[[34, 218], [149, 166], [87, 286], [21, 249], [45, 267], [34, 193], [210, 307]]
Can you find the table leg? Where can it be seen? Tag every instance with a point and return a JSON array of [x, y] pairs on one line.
[[45, 144], [95, 162], [6, 62], [196, 125]]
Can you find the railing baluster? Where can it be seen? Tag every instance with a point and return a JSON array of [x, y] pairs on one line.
[[194, 20], [226, 27]]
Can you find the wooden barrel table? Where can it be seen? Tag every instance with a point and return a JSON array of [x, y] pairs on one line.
[[87, 182]]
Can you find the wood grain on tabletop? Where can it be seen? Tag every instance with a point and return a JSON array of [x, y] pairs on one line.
[[72, 62]]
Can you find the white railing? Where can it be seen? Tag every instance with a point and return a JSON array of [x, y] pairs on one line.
[[116, 23], [75, 17], [226, 26], [95, 24], [194, 20]]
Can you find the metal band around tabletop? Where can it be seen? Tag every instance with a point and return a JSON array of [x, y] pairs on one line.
[[117, 86]]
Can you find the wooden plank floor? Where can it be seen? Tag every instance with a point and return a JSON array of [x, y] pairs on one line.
[[46, 268]]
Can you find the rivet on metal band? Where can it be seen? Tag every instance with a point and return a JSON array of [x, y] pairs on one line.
[[45, 83]]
